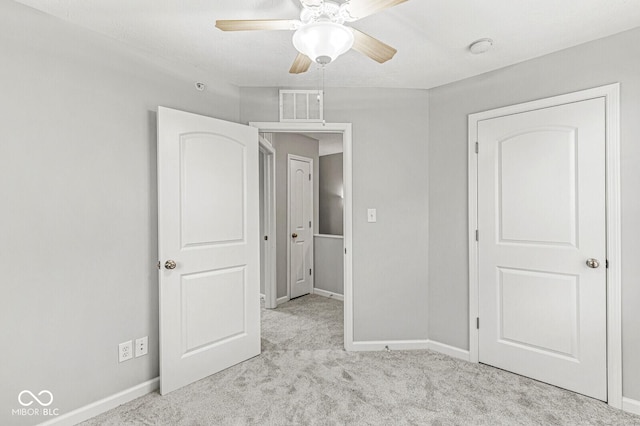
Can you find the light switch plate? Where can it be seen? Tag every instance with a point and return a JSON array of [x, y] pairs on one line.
[[372, 215]]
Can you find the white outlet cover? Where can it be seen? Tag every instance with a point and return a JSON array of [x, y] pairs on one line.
[[125, 351], [142, 346]]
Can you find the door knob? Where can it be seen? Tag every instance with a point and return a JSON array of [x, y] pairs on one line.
[[294, 235], [593, 263], [170, 264]]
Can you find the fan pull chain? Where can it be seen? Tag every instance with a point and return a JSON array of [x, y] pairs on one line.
[[320, 84], [324, 122]]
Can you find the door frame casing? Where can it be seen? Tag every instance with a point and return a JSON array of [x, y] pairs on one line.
[[310, 161], [269, 221], [347, 170], [611, 95]]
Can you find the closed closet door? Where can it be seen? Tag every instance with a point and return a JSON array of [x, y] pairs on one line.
[[542, 245]]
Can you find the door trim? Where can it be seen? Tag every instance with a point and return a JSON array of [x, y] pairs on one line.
[[346, 130], [310, 161], [269, 221], [611, 94]]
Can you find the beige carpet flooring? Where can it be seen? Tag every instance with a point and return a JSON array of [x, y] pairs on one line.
[[304, 377]]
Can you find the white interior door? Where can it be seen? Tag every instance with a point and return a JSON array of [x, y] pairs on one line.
[[300, 226], [208, 245], [541, 217]]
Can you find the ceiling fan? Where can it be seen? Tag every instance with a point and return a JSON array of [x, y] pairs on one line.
[[320, 34]]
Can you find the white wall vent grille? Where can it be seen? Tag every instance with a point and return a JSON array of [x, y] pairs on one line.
[[302, 105]]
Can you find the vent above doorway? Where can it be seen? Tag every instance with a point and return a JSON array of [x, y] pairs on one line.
[[301, 105]]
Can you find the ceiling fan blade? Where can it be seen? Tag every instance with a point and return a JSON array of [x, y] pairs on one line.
[[372, 47], [358, 9], [300, 64], [257, 24]]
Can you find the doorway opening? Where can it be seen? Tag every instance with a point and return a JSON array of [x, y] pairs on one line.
[[297, 146], [267, 208]]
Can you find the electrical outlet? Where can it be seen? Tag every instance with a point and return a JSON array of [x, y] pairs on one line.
[[125, 351], [142, 346]]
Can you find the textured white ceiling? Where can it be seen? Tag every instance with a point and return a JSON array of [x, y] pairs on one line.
[[431, 36]]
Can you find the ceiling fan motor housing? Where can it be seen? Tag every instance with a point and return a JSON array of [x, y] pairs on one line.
[[326, 10]]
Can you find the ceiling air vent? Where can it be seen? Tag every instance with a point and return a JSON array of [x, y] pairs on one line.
[[301, 105]]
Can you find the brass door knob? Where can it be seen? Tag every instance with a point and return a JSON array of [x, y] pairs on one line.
[[170, 264], [294, 235], [593, 263]]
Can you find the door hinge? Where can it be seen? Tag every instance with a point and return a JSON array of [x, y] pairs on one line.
[[477, 147], [478, 323], [266, 238], [345, 251], [309, 176], [309, 224], [477, 235], [606, 263], [158, 264], [309, 271]]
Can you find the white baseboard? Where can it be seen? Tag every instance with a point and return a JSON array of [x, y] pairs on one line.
[[394, 345], [404, 345], [329, 294], [95, 408], [631, 405], [449, 350], [281, 300]]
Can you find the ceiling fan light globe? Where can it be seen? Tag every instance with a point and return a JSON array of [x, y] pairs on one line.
[[322, 40]]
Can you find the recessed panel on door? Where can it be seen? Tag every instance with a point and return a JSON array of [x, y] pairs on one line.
[[212, 307], [537, 183], [297, 257], [298, 214], [539, 311], [213, 211]]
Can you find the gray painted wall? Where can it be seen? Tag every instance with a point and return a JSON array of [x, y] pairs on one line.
[[328, 264], [285, 144], [389, 173], [78, 239], [609, 60], [331, 190]]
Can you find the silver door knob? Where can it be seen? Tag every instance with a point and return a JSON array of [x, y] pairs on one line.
[[593, 263], [294, 235], [170, 264]]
